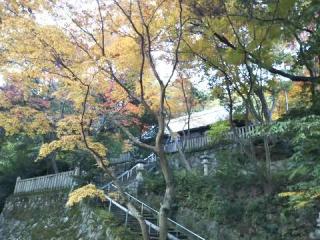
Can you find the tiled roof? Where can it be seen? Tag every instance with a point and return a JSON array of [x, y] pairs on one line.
[[198, 119]]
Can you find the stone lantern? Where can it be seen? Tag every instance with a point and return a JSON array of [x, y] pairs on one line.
[[140, 168], [205, 163], [139, 178]]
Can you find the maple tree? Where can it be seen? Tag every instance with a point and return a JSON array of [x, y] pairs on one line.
[[243, 43], [240, 44], [96, 65], [104, 65]]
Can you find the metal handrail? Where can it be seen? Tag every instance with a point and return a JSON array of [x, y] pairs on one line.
[[156, 212], [142, 203], [127, 211], [186, 229], [150, 159]]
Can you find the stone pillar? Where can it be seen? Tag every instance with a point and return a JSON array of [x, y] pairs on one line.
[[139, 178], [140, 168], [205, 163], [316, 234], [77, 171]]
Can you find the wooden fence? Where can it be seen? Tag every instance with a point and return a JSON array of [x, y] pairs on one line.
[[47, 182], [204, 141], [190, 144], [244, 132], [123, 157]]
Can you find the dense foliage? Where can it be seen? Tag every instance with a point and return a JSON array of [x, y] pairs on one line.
[[81, 82], [233, 196]]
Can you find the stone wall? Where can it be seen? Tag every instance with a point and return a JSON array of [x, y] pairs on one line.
[[208, 228], [44, 216], [196, 158]]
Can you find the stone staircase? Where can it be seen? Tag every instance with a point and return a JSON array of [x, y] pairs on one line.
[[176, 230]]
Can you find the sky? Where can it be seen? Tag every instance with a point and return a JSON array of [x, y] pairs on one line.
[[1, 80], [163, 68]]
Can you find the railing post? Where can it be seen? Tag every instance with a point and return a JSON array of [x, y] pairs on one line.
[[141, 208], [126, 221], [110, 202]]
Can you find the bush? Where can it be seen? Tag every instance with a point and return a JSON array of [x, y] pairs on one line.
[[219, 129], [233, 197]]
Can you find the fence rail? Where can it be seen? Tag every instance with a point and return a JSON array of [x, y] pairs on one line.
[[244, 132], [143, 207], [47, 182], [132, 172], [152, 228], [188, 144], [123, 157], [204, 141]]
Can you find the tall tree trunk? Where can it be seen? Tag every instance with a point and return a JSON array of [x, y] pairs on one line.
[[183, 158], [54, 163], [168, 196], [313, 71], [247, 114], [140, 219], [265, 110], [267, 164], [111, 173], [228, 83], [167, 200], [100, 160], [273, 105], [253, 154], [186, 137], [181, 150], [286, 100], [313, 92]]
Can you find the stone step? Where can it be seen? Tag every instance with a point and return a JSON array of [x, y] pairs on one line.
[[133, 224]]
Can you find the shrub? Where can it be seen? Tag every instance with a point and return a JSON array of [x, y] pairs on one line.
[[219, 129]]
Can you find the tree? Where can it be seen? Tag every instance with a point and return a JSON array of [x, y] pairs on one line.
[[241, 45], [252, 32], [108, 45]]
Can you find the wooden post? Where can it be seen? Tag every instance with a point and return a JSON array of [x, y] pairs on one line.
[[16, 188]]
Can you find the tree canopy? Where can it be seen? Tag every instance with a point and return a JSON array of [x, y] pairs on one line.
[[88, 77]]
